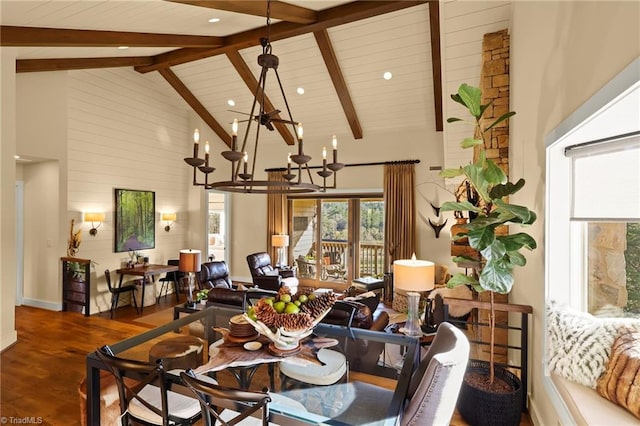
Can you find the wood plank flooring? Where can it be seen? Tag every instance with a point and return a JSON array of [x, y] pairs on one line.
[[41, 372]]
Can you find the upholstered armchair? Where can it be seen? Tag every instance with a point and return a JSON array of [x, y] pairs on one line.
[[214, 275], [435, 385], [266, 277]]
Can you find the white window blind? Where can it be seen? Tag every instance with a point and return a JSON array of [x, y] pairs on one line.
[[606, 179]]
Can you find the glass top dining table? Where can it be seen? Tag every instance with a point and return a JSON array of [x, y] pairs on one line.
[[379, 368]]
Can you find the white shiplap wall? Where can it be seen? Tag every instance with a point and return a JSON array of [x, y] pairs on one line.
[[126, 130], [463, 25]]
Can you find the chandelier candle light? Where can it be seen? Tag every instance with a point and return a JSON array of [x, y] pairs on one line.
[[246, 182], [414, 277]]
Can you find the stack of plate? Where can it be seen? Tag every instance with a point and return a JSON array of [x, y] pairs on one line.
[[241, 328]]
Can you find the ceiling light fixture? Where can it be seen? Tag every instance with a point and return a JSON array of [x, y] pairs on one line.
[[387, 75], [214, 20], [300, 90], [231, 102], [244, 181]]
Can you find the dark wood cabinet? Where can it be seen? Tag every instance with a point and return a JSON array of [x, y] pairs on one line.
[[76, 284]]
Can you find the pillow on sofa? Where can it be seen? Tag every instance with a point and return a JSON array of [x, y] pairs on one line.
[[579, 344], [618, 383]]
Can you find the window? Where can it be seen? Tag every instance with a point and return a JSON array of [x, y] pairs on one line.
[[605, 183], [592, 209], [593, 201], [337, 239], [613, 272], [216, 226]]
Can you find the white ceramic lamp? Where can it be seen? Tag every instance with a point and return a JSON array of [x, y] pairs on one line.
[[413, 276]]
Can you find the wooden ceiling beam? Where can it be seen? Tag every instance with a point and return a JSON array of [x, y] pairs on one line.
[[436, 61], [56, 37], [333, 67], [247, 76], [195, 104], [64, 64], [327, 18], [279, 10]]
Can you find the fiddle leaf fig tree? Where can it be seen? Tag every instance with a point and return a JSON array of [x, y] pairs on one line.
[[499, 254]]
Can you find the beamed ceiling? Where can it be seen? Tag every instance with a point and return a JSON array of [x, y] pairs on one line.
[[336, 50]]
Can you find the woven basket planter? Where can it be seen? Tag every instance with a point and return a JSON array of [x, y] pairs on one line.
[[481, 408]]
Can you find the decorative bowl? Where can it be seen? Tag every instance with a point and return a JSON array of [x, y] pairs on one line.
[[283, 339]]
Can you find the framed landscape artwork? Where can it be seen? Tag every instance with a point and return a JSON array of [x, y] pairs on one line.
[[135, 220]]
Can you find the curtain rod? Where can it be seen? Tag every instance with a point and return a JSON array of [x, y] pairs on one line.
[[379, 163]]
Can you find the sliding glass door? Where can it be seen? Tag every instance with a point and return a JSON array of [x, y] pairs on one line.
[[335, 240]]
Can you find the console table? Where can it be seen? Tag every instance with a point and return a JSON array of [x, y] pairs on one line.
[[145, 272]]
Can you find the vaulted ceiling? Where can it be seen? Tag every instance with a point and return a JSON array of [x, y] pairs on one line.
[[336, 50]]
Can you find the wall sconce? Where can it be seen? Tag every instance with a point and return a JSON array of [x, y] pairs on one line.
[[94, 217], [168, 219]]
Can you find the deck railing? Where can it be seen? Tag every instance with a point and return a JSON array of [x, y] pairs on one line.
[[371, 256]]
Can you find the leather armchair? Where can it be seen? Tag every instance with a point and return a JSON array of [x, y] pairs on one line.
[[214, 275], [266, 277], [241, 299], [227, 297]]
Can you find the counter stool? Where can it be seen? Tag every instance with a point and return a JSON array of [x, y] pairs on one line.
[[333, 368], [180, 352], [109, 400]]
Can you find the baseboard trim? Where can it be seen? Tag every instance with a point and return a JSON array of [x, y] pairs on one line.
[[43, 304]]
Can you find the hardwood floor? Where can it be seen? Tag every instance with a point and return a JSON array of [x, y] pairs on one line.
[[40, 373]]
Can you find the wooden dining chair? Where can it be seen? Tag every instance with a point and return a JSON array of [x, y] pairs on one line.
[[144, 394], [238, 405], [117, 291], [171, 278]]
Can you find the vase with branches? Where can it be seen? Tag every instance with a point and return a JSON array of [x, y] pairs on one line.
[[498, 254]]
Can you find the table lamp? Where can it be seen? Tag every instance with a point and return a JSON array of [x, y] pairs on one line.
[[280, 241], [190, 263], [413, 276]]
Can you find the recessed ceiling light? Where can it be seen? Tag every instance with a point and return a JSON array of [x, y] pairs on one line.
[[300, 90], [214, 20], [387, 75], [123, 47], [231, 102], [17, 157]]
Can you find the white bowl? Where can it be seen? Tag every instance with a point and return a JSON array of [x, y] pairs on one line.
[[252, 346]]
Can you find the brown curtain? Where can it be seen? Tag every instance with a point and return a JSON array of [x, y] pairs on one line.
[[400, 212], [276, 215]]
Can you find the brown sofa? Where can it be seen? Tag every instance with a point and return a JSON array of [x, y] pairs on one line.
[[367, 315], [363, 355]]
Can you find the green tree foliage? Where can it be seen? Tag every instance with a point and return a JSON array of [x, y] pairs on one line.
[[632, 258], [335, 221], [371, 221]]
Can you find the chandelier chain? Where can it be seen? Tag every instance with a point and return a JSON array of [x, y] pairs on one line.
[[245, 181]]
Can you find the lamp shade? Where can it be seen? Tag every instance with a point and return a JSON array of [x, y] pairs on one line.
[[94, 217], [189, 260], [414, 275], [168, 217], [280, 240]]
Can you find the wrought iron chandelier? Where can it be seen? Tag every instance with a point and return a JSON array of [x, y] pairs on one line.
[[243, 181]]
